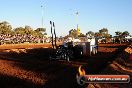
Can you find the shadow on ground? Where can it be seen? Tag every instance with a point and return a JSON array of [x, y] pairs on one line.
[[59, 74]]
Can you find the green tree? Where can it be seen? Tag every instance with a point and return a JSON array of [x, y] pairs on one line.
[[90, 34], [104, 32], [28, 29], [40, 32], [98, 35], [73, 33], [118, 36], [118, 33], [5, 28], [82, 35], [125, 33], [19, 30]]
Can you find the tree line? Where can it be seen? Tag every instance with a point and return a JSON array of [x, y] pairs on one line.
[[102, 33], [6, 29]]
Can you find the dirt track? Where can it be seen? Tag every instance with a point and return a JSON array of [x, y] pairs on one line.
[[31, 68], [24, 46]]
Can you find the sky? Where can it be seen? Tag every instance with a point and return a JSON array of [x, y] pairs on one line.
[[115, 15]]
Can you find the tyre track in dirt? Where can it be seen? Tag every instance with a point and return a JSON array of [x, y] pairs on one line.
[[50, 74]]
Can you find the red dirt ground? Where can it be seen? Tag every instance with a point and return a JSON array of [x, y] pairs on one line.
[[31, 68]]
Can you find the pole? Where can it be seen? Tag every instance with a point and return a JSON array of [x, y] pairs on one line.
[[42, 16], [77, 19], [54, 34]]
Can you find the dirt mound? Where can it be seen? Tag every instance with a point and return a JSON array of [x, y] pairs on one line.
[[120, 66]]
